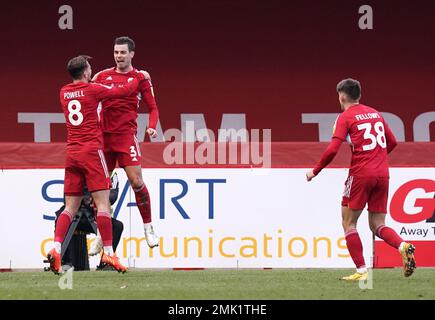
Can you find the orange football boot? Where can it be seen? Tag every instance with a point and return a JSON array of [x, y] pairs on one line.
[[114, 262], [55, 261]]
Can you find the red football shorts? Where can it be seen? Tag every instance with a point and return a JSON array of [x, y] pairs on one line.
[[123, 148], [360, 191], [85, 168]]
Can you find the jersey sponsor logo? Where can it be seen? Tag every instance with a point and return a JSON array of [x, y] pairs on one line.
[[409, 196]]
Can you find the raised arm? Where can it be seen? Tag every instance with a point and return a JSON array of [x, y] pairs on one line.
[[107, 92]]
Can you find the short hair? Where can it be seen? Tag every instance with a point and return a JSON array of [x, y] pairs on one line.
[[351, 87], [77, 66], [126, 40]]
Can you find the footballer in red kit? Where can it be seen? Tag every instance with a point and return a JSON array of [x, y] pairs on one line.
[[85, 162], [371, 140], [120, 126], [369, 165], [119, 117]]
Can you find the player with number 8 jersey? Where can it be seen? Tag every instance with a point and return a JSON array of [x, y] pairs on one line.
[[85, 163], [81, 104]]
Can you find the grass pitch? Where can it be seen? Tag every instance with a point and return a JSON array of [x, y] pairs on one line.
[[276, 284]]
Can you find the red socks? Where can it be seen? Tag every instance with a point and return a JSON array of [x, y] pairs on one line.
[[104, 222], [389, 236], [355, 248], [62, 226], [143, 203]]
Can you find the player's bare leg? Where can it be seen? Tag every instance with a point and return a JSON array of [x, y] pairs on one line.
[[104, 222], [134, 174], [54, 256], [406, 250], [349, 218], [354, 244]]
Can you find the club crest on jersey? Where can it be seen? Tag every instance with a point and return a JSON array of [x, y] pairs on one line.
[[109, 78], [130, 79]]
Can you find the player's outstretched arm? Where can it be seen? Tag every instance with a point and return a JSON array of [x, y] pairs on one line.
[[107, 92], [326, 158]]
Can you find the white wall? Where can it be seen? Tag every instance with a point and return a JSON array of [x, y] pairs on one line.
[[276, 207]]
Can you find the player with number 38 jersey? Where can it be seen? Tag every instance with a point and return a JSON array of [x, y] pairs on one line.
[[370, 137], [367, 184]]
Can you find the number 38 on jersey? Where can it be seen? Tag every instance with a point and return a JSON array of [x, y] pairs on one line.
[[377, 138]]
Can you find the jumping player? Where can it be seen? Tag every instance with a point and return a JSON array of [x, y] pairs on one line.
[[85, 161], [120, 127], [371, 140]]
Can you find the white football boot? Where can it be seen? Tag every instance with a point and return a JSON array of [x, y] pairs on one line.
[[150, 236], [96, 246]]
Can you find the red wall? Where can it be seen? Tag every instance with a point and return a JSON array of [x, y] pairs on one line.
[[272, 60]]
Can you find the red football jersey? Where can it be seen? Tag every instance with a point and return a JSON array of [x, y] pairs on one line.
[[81, 106], [368, 133], [120, 114]]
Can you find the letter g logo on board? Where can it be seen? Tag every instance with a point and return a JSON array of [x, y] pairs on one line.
[[403, 195]]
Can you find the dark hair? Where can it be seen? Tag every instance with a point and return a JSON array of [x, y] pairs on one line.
[[351, 87], [126, 40], [77, 65]]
